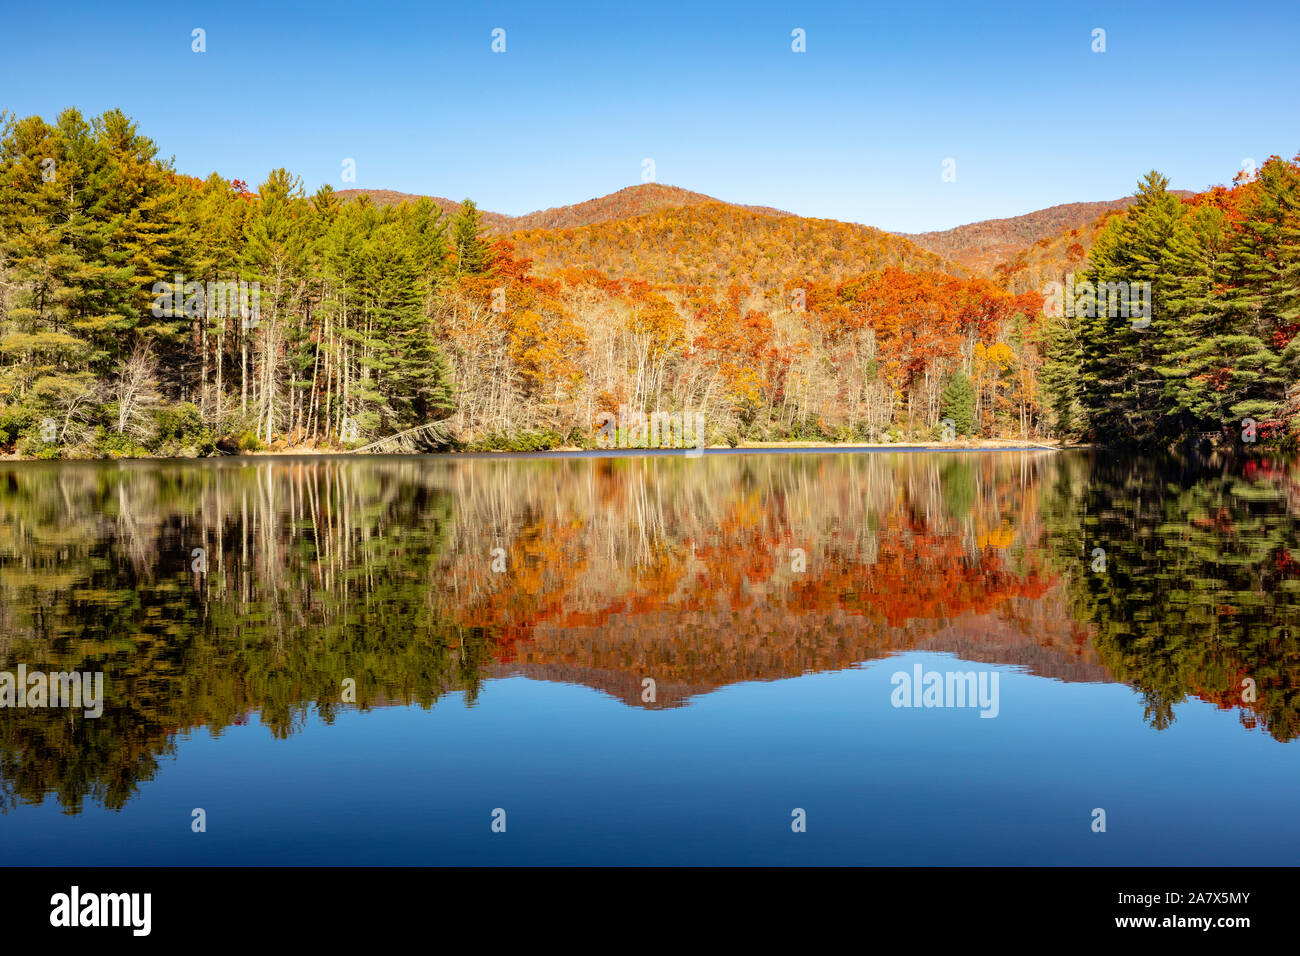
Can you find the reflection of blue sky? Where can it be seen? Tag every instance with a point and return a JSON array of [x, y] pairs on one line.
[[587, 779]]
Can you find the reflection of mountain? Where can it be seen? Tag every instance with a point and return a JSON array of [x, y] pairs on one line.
[[894, 553], [696, 573], [696, 653]]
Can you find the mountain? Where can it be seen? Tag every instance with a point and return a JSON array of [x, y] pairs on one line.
[[494, 221], [714, 243], [666, 234], [632, 201], [982, 246], [626, 203], [1050, 258]]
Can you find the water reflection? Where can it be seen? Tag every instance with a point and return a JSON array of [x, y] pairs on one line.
[[1199, 594], [210, 591]]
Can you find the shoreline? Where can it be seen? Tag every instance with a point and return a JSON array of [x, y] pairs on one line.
[[573, 451]]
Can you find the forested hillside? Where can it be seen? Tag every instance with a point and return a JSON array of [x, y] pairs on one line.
[[147, 312], [980, 246], [1051, 258], [632, 201], [983, 246], [715, 243]]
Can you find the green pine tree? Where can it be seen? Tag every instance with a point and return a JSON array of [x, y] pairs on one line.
[[473, 257], [958, 403]]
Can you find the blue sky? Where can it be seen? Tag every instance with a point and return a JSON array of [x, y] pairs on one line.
[[855, 128]]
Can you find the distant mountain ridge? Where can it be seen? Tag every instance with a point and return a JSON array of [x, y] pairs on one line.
[[623, 204], [981, 246], [629, 234], [494, 221], [665, 234], [626, 203]]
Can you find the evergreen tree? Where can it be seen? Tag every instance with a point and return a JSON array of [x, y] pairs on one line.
[[1061, 377], [1121, 349], [958, 403], [1187, 322], [1259, 299], [473, 257]]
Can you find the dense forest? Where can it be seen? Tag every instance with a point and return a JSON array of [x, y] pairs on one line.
[[144, 312], [1215, 351]]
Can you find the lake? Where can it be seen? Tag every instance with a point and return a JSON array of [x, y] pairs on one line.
[[817, 657]]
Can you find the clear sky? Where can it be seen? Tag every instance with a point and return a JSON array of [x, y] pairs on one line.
[[855, 128]]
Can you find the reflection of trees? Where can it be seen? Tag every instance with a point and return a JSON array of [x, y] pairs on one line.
[[380, 570], [316, 573], [1200, 587], [683, 571]]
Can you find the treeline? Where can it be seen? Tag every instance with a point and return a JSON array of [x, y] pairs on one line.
[[146, 312], [863, 359], [97, 356], [1214, 354]]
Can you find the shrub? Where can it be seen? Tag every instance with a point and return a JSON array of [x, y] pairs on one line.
[[180, 429], [539, 440], [247, 440], [109, 444], [13, 421]]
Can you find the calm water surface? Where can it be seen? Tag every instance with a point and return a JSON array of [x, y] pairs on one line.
[[654, 659]]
